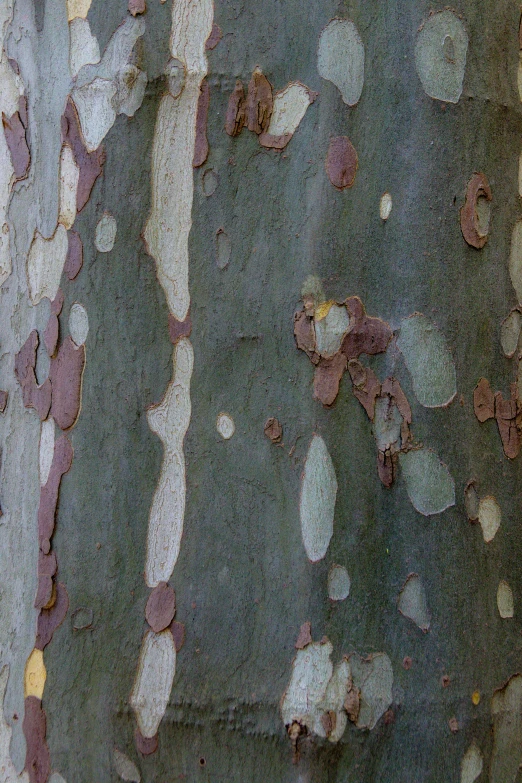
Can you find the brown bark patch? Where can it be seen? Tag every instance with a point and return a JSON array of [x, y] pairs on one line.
[[34, 396], [304, 334], [62, 461], [366, 386], [161, 607], [178, 634], [478, 187], [352, 703], [235, 117], [483, 401], [259, 103], [270, 141], [506, 416], [214, 38], [386, 468], [15, 131], [179, 329], [74, 259], [201, 142], [51, 334], [50, 619], [57, 303], [145, 745], [341, 162], [37, 759], [65, 375], [327, 378], [47, 567], [367, 335], [3, 400], [137, 7], [89, 163], [305, 636], [273, 430]]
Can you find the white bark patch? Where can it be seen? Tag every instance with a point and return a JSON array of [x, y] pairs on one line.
[[330, 330], [412, 602], [510, 333], [131, 89], [56, 778], [489, 517], [69, 176], [105, 235], [472, 764], [153, 683], [46, 451], [167, 229], [290, 105], [334, 701], [428, 360], [125, 767], [94, 103], [45, 264], [506, 712], [84, 48], [385, 206], [505, 603], [317, 502], [8, 773], [78, 324], [170, 420], [429, 484], [225, 426], [311, 673], [440, 56], [515, 260], [374, 678], [338, 583], [340, 58], [78, 8]]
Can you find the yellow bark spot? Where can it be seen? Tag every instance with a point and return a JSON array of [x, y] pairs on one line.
[[77, 8], [475, 698], [323, 309], [35, 675]]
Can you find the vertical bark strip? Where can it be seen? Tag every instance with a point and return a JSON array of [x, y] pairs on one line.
[[166, 235]]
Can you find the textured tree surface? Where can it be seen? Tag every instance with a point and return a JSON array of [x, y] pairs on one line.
[[325, 515]]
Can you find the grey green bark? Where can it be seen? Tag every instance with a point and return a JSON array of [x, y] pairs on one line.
[[423, 588]]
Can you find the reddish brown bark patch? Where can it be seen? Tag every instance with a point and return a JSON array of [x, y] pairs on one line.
[[273, 430], [305, 636], [137, 7], [57, 303], [478, 187], [65, 375], [89, 163], [352, 703], [305, 335], [145, 745], [453, 725], [74, 259], [366, 386], [386, 468], [179, 329], [37, 760], [270, 141], [483, 401], [15, 131], [214, 38], [51, 334], [178, 634], [62, 461], [327, 378], [341, 162], [34, 396], [161, 607], [47, 567], [50, 619], [3, 400], [201, 142], [235, 116], [367, 335], [506, 416], [259, 103]]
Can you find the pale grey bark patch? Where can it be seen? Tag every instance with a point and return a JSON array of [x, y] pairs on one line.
[[429, 361], [429, 484], [440, 56], [317, 502], [340, 58], [412, 602]]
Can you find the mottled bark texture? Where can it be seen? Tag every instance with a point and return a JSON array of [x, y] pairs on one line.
[[351, 521]]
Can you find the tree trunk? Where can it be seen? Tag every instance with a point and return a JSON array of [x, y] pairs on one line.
[[261, 270]]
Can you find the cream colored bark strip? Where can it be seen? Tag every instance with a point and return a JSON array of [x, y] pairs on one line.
[[166, 235]]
